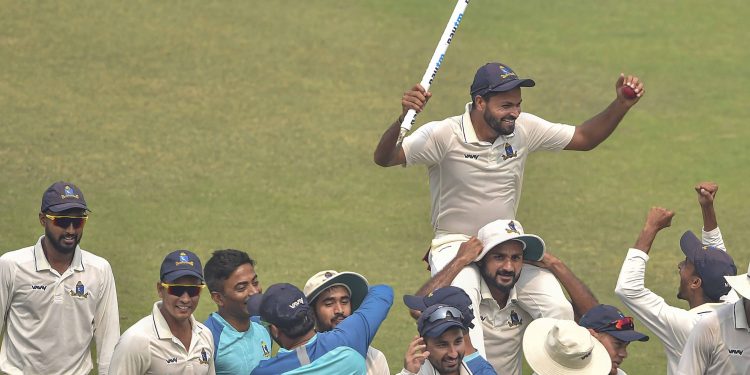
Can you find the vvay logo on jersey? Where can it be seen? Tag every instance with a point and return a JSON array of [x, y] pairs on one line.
[[80, 291]]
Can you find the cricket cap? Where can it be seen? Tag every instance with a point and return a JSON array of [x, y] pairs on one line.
[[500, 231], [283, 305], [449, 296], [608, 319], [62, 196], [497, 77], [180, 263], [355, 283], [710, 263], [437, 319]]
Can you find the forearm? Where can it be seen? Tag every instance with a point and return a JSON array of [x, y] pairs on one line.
[[646, 239], [709, 217], [581, 296], [444, 277], [596, 129], [387, 149]]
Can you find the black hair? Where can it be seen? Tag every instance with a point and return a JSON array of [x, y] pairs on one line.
[[303, 323], [221, 265], [486, 96]]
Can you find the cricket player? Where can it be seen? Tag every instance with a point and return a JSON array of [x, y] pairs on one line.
[[702, 273], [240, 343], [475, 163], [169, 341], [333, 297], [720, 341], [289, 316], [440, 347], [56, 299]]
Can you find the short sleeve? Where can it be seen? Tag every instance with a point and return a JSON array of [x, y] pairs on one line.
[[428, 144], [544, 135]]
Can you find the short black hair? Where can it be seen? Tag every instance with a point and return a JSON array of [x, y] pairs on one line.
[[486, 96], [221, 265], [304, 322]]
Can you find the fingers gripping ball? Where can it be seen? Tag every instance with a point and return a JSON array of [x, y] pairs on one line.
[[628, 92]]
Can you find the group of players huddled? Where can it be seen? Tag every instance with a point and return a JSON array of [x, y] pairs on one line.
[[495, 295]]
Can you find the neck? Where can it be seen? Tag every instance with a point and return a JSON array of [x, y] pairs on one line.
[[293, 343], [500, 296], [241, 324], [57, 260], [696, 299], [176, 326], [481, 129]]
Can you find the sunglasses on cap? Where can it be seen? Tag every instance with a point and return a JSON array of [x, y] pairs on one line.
[[445, 312], [622, 324], [66, 221], [179, 289]]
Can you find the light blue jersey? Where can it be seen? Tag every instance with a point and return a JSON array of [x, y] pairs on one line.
[[340, 361], [238, 352]]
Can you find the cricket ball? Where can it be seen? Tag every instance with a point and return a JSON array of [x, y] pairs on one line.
[[628, 92]]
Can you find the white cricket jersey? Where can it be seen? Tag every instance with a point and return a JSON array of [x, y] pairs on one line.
[[503, 330], [52, 319], [719, 344], [672, 325], [428, 369], [472, 182], [376, 362], [148, 347]]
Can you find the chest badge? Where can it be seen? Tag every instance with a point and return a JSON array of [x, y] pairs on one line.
[[80, 291], [204, 357], [264, 347], [509, 151], [515, 320]]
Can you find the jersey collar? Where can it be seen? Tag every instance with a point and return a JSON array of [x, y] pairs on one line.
[[487, 295], [162, 328], [41, 263], [740, 319]]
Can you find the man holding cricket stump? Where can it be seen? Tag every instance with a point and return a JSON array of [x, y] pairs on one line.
[[475, 163]]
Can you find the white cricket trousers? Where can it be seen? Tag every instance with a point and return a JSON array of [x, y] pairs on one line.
[[537, 289]]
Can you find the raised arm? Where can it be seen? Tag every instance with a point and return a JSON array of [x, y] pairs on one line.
[[387, 153], [658, 218], [467, 254], [596, 129], [581, 296]]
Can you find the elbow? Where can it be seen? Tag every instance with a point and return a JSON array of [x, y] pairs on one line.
[[381, 160]]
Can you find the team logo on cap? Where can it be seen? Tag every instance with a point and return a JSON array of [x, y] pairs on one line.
[[515, 320], [204, 357], [328, 275], [512, 227], [183, 259], [264, 347], [80, 291], [69, 193], [509, 152], [505, 72]]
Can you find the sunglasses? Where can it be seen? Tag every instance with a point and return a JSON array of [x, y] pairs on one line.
[[179, 289], [445, 312], [622, 324], [66, 221]]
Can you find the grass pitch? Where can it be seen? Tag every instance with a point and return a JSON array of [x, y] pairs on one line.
[[208, 125]]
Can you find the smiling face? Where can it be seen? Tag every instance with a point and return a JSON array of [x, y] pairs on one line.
[[501, 110], [241, 284], [62, 239], [446, 351], [177, 309], [332, 306], [501, 266]]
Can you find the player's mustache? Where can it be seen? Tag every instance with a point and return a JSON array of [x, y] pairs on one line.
[[338, 316], [505, 273]]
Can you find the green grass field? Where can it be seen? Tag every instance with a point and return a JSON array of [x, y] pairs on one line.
[[207, 125]]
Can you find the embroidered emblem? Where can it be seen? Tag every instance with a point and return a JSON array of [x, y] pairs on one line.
[[69, 193], [515, 320], [586, 355], [184, 259], [204, 357], [264, 347], [505, 72], [509, 152], [512, 227], [80, 291], [328, 275]]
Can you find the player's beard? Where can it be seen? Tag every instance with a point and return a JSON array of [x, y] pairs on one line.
[[501, 126], [491, 279], [59, 245]]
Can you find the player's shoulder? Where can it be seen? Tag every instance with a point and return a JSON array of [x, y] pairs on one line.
[[92, 260], [374, 354], [139, 334], [19, 256]]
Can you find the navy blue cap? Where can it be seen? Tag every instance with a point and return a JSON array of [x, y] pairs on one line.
[[283, 305], [497, 77], [712, 265], [450, 296], [62, 196], [180, 263], [253, 304], [436, 319], [606, 318]]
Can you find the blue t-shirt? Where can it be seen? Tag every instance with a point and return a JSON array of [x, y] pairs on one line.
[[341, 350], [478, 365], [238, 352]]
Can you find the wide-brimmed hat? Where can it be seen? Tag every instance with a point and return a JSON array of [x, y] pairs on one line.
[[740, 283], [556, 347], [500, 231], [355, 283]]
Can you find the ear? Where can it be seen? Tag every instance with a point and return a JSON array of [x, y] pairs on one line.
[[160, 290], [696, 283], [274, 331], [217, 298], [41, 218], [594, 333], [479, 102]]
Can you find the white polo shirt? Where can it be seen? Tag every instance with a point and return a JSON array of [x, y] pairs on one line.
[[51, 319], [376, 362], [672, 325], [472, 182], [148, 347], [719, 344], [502, 328]]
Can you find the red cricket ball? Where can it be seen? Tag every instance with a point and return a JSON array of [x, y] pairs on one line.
[[628, 92]]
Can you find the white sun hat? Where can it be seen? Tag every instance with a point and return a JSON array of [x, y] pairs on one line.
[[559, 347]]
